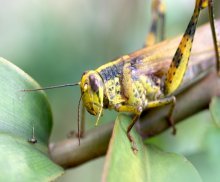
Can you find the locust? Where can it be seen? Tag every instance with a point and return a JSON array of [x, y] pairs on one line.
[[128, 85]]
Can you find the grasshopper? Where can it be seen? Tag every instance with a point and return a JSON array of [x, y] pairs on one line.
[[125, 85]]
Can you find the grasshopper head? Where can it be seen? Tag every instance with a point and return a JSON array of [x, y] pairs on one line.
[[92, 90]]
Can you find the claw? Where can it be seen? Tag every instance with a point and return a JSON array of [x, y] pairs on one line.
[[133, 144], [172, 124]]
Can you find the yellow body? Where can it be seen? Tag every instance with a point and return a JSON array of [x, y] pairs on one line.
[[125, 86], [129, 84], [121, 87]]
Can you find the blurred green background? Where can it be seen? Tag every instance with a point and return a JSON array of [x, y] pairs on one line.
[[56, 41]]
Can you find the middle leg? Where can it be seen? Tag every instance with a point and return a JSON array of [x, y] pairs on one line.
[[162, 102]]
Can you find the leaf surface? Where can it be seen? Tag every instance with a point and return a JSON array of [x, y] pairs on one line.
[[148, 164], [19, 113]]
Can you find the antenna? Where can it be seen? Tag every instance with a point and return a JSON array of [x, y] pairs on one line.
[[78, 120], [51, 87], [33, 139]]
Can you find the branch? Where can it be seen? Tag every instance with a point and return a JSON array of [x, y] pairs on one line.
[[94, 144]]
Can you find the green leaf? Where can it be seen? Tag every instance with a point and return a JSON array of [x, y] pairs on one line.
[[149, 164], [207, 161], [19, 113], [189, 137], [215, 110], [197, 139]]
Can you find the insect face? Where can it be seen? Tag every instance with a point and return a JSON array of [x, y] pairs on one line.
[[92, 90]]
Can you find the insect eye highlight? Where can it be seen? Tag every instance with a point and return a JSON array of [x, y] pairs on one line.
[[85, 87]]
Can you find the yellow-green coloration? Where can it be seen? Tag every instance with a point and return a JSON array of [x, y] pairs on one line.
[[121, 87], [92, 93], [118, 85], [124, 86]]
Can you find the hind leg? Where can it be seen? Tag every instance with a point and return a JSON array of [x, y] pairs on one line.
[[158, 14]]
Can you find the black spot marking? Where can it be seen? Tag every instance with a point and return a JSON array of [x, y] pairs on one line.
[[120, 66], [177, 57], [84, 73], [191, 28], [112, 71], [109, 69], [104, 75], [135, 61], [153, 27]]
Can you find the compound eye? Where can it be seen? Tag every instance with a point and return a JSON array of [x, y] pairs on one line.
[[94, 83]]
